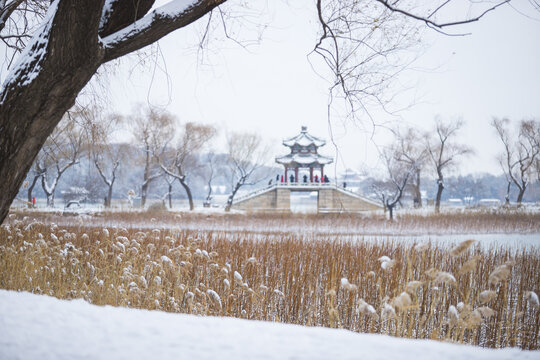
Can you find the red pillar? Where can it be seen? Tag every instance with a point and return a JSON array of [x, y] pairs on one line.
[[322, 174], [286, 178], [296, 174], [310, 174]]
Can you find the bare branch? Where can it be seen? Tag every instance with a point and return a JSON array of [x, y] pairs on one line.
[[436, 24]]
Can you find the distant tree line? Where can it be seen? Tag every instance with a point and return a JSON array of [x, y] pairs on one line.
[[164, 159], [437, 153]]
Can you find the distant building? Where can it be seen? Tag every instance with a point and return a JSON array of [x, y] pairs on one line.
[[304, 180], [304, 155], [489, 202], [455, 202]]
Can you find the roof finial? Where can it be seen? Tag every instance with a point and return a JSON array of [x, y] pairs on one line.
[[304, 129]]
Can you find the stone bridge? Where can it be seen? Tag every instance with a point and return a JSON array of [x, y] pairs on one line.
[[331, 199]]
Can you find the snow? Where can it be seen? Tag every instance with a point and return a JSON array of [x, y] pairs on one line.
[[303, 159], [42, 327], [386, 262], [532, 297], [28, 65], [304, 139], [238, 277], [170, 10], [107, 6]]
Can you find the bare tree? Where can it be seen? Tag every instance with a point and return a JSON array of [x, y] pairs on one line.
[[18, 20], [105, 155], [170, 181], [61, 151], [152, 130], [444, 152], [180, 161], [210, 172], [520, 154], [506, 159], [410, 150], [366, 46], [76, 37], [398, 175], [247, 154]]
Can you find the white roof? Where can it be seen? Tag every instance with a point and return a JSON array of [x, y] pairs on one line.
[[304, 159], [304, 139]]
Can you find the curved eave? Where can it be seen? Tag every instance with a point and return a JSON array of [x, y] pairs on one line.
[[288, 160], [299, 142], [304, 139]]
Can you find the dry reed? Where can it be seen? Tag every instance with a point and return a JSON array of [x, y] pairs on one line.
[[423, 291]]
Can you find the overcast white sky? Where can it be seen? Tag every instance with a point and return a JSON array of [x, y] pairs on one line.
[[271, 89]]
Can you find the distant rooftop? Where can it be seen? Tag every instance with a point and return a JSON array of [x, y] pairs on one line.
[[304, 159], [304, 151], [304, 139]]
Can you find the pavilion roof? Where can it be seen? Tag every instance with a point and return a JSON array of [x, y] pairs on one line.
[[304, 139], [304, 159]]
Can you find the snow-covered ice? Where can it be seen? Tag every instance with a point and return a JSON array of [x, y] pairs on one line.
[[42, 327]]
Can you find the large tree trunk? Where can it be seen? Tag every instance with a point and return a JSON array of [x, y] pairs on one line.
[[49, 191], [188, 193], [520, 195], [440, 188], [209, 194], [233, 193], [170, 195], [43, 86], [144, 191], [50, 200], [31, 190], [59, 61], [417, 193], [507, 197], [391, 211], [109, 196]]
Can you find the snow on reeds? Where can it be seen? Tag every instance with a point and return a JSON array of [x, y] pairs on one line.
[[470, 221], [464, 295]]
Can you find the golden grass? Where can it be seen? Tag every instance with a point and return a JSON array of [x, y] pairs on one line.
[[470, 221], [423, 292]]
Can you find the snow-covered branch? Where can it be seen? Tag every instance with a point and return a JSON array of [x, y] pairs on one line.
[[156, 24]]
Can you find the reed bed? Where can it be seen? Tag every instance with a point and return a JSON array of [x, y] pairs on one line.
[[420, 291], [468, 221]]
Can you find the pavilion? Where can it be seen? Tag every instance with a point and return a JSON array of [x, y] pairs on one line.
[[304, 155]]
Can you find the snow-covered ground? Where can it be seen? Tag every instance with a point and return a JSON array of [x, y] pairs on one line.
[[42, 327]]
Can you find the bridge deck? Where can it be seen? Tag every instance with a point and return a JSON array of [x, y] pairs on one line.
[[305, 187]]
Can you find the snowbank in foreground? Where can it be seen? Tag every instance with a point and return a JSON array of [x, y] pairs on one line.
[[42, 327]]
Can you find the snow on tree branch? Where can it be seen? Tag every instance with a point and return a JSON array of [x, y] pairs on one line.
[[155, 25], [28, 64]]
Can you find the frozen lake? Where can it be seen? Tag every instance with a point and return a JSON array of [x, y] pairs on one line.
[[486, 241], [488, 233], [516, 242]]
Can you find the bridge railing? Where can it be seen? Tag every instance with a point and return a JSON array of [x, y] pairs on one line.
[[299, 186], [305, 184], [254, 193]]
